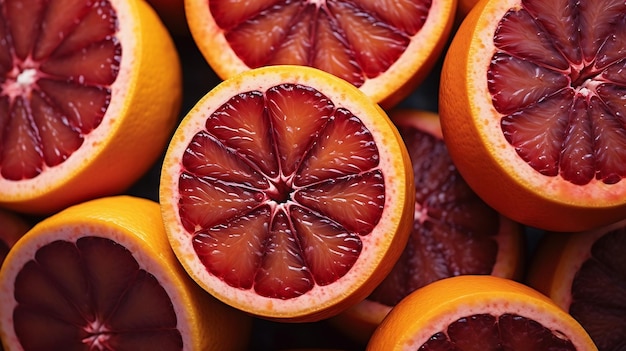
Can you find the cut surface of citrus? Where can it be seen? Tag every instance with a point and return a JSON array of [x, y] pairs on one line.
[[386, 48], [286, 192], [100, 275], [585, 274], [90, 92], [480, 312], [12, 227], [531, 102], [454, 232]]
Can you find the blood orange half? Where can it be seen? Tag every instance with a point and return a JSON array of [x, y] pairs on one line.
[[100, 275], [386, 48], [479, 313], [287, 193], [454, 231], [90, 92], [531, 103], [585, 274]]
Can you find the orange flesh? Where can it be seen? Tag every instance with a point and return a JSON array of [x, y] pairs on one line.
[[505, 332], [558, 78], [354, 40], [453, 232], [599, 292], [54, 83], [292, 182], [96, 297]]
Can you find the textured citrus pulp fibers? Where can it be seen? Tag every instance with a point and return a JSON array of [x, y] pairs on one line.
[[386, 48], [286, 192], [100, 275], [90, 92], [479, 313], [531, 103], [454, 232], [585, 274], [12, 227]]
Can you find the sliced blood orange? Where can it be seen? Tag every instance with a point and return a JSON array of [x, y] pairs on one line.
[[90, 92], [585, 274], [480, 312], [531, 103], [12, 227], [100, 275], [386, 48], [454, 231], [286, 193]]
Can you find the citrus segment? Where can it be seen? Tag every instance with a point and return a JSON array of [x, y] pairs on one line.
[[478, 313], [584, 274], [101, 275], [286, 193], [386, 48], [454, 232], [89, 94], [529, 110]]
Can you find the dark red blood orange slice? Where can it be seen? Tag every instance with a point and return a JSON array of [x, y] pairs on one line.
[[532, 109], [386, 48], [584, 273], [454, 231], [89, 95], [479, 312], [286, 192], [100, 275]]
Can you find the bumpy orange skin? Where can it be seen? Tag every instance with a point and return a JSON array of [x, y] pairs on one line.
[[432, 308], [488, 162], [145, 105]]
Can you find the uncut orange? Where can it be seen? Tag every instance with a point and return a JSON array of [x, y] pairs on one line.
[[100, 275], [531, 103], [479, 313], [286, 193], [386, 48], [90, 92]]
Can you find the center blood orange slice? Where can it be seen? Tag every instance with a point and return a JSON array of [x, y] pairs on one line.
[[386, 48], [454, 232], [532, 108], [287, 193], [482, 312], [100, 275], [90, 92]]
